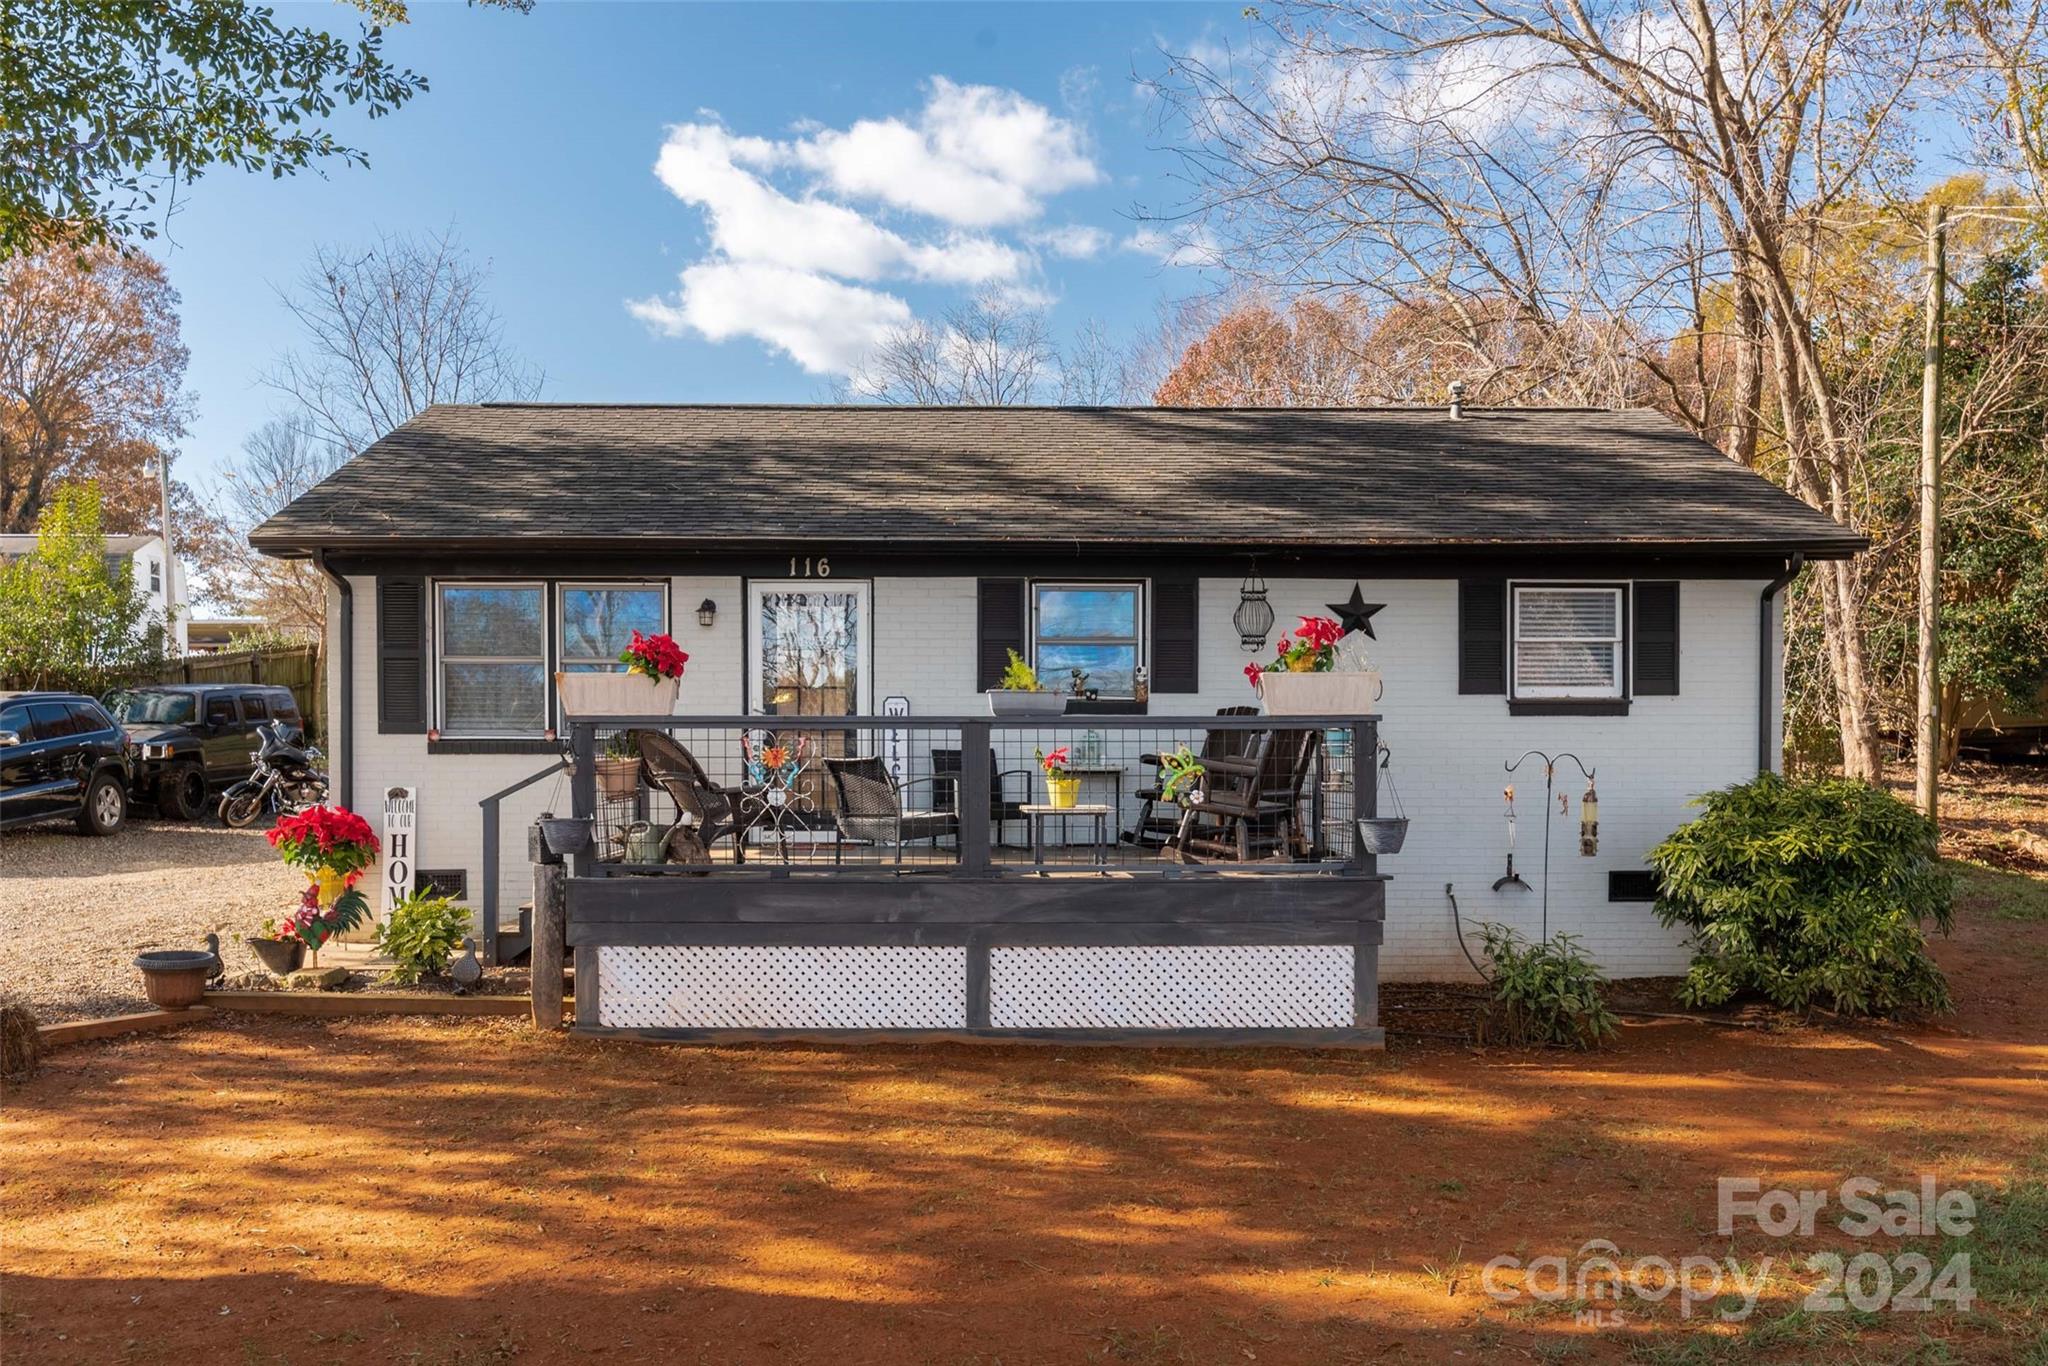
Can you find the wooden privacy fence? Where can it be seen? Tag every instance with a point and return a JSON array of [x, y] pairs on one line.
[[287, 666]]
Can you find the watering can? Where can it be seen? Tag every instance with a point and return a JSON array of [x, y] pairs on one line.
[[644, 842]]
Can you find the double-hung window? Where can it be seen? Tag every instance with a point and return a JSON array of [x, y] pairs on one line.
[[492, 655], [1568, 640], [1093, 627]]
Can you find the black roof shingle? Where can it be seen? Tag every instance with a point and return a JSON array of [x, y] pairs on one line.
[[1126, 478]]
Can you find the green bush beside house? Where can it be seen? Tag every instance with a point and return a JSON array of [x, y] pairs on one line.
[[1809, 895]]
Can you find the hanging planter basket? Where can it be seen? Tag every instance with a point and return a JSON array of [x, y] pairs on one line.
[[617, 694], [1339, 692], [1385, 834]]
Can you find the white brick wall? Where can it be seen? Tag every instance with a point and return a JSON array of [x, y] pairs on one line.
[[1448, 750]]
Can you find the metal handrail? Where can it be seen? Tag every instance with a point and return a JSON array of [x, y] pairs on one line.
[[490, 807]]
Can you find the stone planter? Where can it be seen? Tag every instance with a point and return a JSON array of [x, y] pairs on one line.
[[1015, 702], [616, 694], [279, 957], [1337, 693], [175, 979]]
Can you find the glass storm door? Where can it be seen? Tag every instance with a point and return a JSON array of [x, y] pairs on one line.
[[812, 651]]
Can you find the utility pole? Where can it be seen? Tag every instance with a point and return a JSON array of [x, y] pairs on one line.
[[1927, 746]]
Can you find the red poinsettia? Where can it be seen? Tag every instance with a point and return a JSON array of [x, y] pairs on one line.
[[1055, 763], [1313, 649], [325, 838], [653, 656]]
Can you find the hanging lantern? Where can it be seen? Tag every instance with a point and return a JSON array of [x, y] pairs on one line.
[[1589, 822], [1254, 615]]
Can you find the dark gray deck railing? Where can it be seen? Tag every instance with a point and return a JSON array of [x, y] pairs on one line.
[[976, 737], [1286, 949]]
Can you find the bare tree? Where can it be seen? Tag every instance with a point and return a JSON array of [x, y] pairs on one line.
[[1601, 167], [1094, 371], [990, 351], [392, 330], [280, 460]]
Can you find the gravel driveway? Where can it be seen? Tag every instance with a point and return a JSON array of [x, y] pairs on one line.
[[74, 910]]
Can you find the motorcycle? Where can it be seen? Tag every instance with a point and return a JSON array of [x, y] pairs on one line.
[[285, 779]]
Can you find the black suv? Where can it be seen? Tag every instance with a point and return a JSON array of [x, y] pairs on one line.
[[61, 755], [192, 739]]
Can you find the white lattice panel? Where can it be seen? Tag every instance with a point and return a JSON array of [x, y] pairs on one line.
[[704, 987], [1291, 986]]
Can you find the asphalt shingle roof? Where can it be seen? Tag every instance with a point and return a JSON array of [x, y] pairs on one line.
[[646, 476]]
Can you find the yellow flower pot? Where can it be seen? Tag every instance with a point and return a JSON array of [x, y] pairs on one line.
[[1062, 793]]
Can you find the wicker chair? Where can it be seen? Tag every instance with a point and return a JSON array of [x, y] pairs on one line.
[[870, 808], [705, 812], [1251, 803]]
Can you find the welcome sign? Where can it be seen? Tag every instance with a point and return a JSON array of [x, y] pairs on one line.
[[401, 853]]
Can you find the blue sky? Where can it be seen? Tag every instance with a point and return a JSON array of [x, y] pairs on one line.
[[839, 163]]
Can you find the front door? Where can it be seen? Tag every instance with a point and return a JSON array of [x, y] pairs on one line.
[[811, 653]]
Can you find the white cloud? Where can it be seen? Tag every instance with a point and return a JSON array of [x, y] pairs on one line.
[[1193, 247], [977, 157], [1076, 241], [793, 255], [822, 325]]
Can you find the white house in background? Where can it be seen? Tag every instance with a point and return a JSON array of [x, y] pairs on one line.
[[158, 574], [1598, 582]]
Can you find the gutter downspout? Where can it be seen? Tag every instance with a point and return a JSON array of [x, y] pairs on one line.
[[1763, 661], [345, 724]]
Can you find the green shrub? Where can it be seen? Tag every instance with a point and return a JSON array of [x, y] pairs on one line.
[[1808, 894], [422, 935], [1546, 993]]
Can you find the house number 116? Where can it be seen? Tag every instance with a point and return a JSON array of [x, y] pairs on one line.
[[823, 568]]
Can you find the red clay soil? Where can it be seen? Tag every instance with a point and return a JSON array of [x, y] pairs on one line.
[[274, 1190]]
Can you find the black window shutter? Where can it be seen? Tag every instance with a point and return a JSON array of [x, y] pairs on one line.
[[1482, 636], [1656, 640], [401, 655], [1176, 608], [998, 629]]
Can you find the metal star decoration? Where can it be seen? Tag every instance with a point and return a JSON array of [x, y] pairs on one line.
[[1355, 614]]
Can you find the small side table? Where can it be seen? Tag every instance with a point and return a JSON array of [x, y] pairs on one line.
[[1039, 815]]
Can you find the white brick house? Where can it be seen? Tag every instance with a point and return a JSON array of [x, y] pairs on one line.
[[1477, 533]]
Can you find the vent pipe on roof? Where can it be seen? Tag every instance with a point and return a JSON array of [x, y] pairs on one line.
[[1457, 399]]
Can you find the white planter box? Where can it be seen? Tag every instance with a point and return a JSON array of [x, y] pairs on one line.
[[617, 694], [1014, 702], [1336, 693]]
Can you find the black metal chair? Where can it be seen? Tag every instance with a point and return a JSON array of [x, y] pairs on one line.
[[946, 776], [870, 808], [1156, 831]]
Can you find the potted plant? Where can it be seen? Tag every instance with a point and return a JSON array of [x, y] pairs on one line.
[[332, 847], [1311, 676], [618, 768], [647, 687], [1062, 788], [1021, 694]]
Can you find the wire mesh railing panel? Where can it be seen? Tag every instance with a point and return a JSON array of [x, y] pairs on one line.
[[1072, 794]]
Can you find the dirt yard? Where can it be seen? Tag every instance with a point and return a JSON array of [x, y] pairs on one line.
[[74, 910], [271, 1190], [383, 1191]]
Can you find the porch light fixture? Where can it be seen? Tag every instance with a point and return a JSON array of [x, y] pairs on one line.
[[1254, 615], [707, 612]]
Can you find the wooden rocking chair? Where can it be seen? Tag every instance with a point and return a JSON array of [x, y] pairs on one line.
[[1251, 803]]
